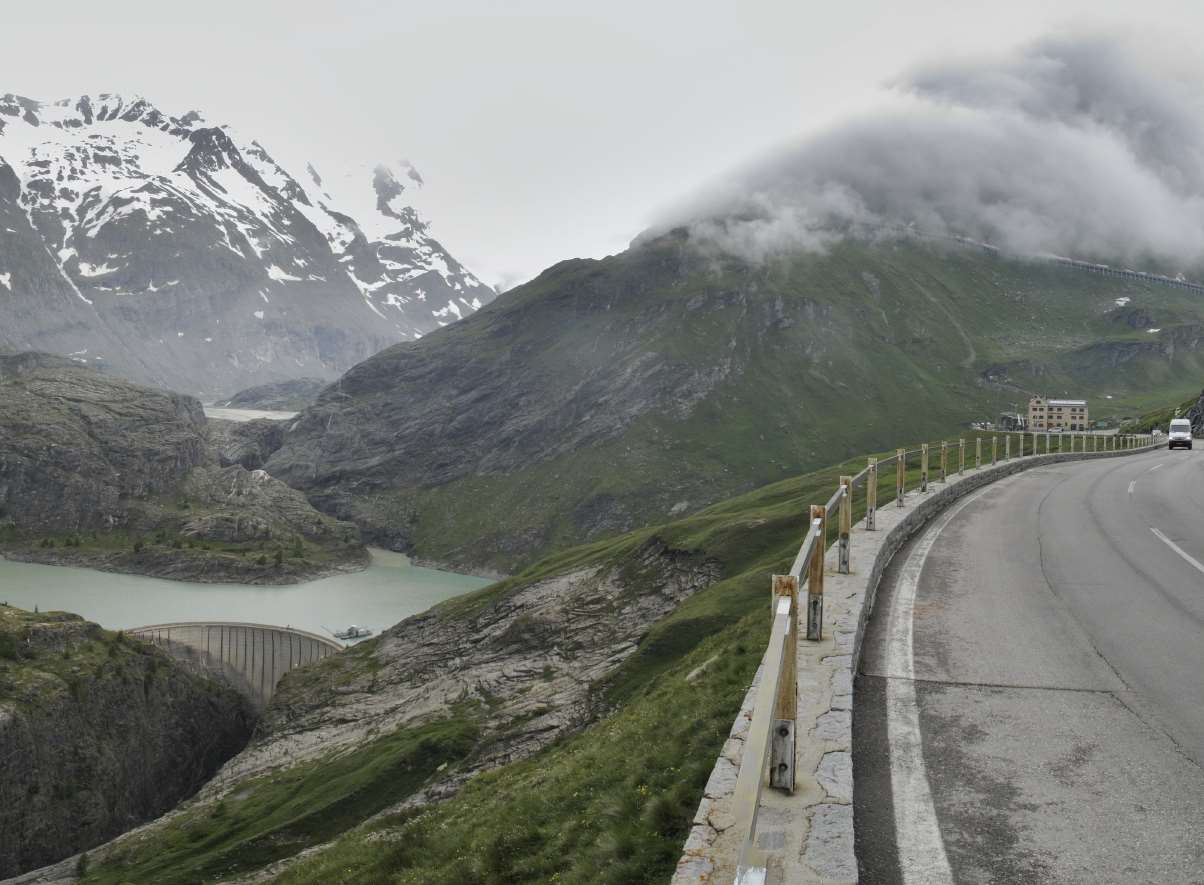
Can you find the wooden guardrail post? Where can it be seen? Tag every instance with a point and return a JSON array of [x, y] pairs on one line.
[[1007, 448], [871, 495], [961, 456], [1061, 441], [944, 461], [1048, 440], [785, 708], [900, 476], [923, 467], [844, 528], [1072, 443], [978, 453], [815, 574], [994, 450]]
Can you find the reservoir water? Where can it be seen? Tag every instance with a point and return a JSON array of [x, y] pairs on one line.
[[388, 591]]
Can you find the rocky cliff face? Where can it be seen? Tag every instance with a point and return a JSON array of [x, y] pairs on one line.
[[529, 659], [98, 733], [1195, 414], [282, 396], [96, 471]]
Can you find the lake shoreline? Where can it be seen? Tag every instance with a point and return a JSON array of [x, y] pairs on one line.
[[483, 573], [189, 568], [389, 590]]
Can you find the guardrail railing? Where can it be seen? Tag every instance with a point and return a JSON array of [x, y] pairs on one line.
[[769, 747]]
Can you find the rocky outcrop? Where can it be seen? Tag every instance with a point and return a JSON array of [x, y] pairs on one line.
[[1195, 414], [96, 471], [283, 396], [530, 658], [246, 443], [98, 733]]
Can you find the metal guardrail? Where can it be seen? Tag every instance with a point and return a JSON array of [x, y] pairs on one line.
[[769, 747]]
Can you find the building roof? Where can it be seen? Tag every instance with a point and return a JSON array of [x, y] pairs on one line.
[[1068, 402]]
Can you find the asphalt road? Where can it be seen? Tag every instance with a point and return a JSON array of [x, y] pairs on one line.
[[1030, 707]]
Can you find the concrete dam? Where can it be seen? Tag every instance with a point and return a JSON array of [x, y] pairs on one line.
[[251, 657]]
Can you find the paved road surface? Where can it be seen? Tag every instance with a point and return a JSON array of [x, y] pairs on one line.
[[1031, 702]]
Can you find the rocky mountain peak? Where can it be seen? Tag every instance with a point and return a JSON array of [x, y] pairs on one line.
[[197, 260], [212, 150]]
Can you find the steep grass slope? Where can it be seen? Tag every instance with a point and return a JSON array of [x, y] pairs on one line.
[[466, 793], [607, 395]]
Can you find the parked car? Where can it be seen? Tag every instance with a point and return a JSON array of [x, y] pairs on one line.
[[1179, 435]]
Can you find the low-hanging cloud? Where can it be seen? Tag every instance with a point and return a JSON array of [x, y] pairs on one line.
[[1087, 146]]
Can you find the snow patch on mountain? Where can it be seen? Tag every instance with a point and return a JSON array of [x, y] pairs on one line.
[[106, 169]]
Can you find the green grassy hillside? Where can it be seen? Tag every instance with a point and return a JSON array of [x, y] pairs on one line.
[[1161, 417], [607, 395], [610, 803]]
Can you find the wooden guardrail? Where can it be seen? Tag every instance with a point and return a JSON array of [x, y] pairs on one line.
[[769, 747]]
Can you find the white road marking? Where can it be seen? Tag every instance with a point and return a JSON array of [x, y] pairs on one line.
[[1155, 467], [1131, 485], [922, 858], [1199, 566]]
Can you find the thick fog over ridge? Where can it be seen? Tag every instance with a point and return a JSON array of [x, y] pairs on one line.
[[1087, 146]]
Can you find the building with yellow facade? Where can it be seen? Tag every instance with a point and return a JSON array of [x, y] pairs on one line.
[[1057, 414]]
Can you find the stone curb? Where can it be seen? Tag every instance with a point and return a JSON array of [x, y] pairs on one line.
[[809, 834]]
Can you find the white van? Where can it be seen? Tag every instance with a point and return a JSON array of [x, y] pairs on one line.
[[1180, 434]]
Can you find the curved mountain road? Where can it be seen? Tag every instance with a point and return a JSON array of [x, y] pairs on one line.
[[1030, 706]]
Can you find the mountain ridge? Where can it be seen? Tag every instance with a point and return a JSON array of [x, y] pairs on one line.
[[198, 261], [609, 394]]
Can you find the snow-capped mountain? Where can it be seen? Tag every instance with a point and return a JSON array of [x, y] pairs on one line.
[[180, 253]]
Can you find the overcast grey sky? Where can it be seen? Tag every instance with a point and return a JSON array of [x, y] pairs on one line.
[[545, 129]]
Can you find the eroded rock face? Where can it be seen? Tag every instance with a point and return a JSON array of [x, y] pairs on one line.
[[1196, 416], [76, 446], [246, 443], [98, 733], [530, 662], [99, 472], [283, 396]]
